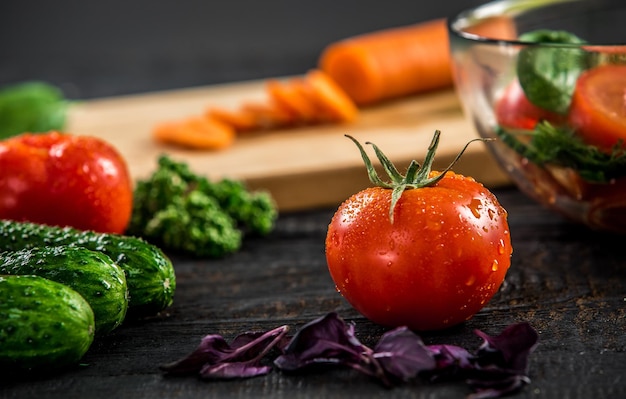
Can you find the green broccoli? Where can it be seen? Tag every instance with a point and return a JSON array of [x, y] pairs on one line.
[[186, 212]]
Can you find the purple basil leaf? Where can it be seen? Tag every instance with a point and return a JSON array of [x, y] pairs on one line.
[[453, 363], [451, 356], [402, 354], [324, 340], [211, 350], [232, 370], [219, 358], [501, 362], [511, 348]]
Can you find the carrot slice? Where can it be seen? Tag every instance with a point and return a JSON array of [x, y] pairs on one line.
[[330, 97], [269, 115], [321, 113], [239, 120], [397, 62], [291, 99], [195, 132]]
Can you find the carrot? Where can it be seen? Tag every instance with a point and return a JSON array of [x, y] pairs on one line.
[[311, 99], [269, 115], [239, 121], [195, 132], [292, 99], [396, 62], [330, 97]]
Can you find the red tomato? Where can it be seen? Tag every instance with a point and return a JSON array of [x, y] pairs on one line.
[[440, 261], [65, 180], [598, 108], [514, 110]]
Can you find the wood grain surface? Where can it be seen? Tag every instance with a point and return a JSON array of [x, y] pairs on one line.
[[566, 281], [302, 167]]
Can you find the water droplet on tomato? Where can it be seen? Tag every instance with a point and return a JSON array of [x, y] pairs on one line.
[[476, 206], [494, 265], [501, 247], [470, 281], [491, 213]]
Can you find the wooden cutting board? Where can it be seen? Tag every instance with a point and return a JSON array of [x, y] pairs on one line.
[[302, 168]]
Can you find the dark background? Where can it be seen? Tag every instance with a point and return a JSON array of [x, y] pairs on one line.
[[565, 280], [116, 47]]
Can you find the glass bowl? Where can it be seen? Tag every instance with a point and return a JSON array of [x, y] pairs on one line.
[[545, 82]]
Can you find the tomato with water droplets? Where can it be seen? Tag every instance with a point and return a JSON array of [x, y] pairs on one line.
[[430, 261], [66, 180]]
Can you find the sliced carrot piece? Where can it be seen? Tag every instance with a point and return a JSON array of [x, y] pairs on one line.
[[196, 132], [331, 97], [307, 91], [239, 120], [269, 115], [288, 96]]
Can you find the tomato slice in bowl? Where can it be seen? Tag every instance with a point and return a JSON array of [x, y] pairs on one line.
[[514, 111], [598, 108]]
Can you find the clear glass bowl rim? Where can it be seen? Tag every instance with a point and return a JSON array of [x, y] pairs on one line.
[[511, 8]]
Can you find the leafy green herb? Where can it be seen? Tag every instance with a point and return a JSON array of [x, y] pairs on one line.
[[33, 107], [548, 74], [560, 146], [186, 212]]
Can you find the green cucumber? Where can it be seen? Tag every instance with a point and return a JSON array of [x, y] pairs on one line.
[[149, 273], [92, 274], [43, 324]]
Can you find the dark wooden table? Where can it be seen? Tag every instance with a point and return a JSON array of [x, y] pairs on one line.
[[567, 281]]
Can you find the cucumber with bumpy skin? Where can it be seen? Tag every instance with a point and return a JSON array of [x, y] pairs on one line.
[[149, 273], [44, 325], [92, 274]]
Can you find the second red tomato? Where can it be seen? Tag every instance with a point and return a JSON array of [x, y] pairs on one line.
[[65, 180]]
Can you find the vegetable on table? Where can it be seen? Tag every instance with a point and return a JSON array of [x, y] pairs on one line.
[[426, 250], [499, 366], [353, 72], [313, 98], [196, 132], [186, 212], [90, 273], [34, 107], [304, 100], [65, 180], [44, 325], [149, 273], [398, 62]]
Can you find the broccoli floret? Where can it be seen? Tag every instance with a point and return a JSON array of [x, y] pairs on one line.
[[186, 212], [253, 210]]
